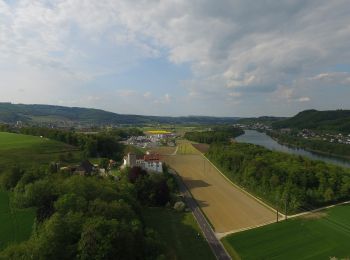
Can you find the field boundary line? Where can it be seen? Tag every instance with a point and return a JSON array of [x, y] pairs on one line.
[[243, 190], [265, 204], [224, 234], [318, 209], [205, 235]]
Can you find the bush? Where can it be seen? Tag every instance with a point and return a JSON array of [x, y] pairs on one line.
[[179, 206]]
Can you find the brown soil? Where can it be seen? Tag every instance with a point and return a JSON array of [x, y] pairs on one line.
[[166, 150], [203, 148], [227, 207]]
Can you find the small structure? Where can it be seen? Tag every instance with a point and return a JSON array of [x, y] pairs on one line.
[[85, 168], [149, 162]]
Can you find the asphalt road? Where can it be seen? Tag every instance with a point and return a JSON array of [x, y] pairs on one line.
[[216, 246]]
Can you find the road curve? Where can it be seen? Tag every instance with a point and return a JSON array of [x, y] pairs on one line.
[[216, 246]]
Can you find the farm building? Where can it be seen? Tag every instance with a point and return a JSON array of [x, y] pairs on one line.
[[149, 162]]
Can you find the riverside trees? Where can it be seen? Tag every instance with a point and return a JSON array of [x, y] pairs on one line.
[[281, 179]]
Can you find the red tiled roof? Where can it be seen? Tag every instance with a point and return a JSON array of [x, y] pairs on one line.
[[151, 157]]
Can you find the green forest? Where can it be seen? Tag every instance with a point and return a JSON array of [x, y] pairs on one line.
[[58, 115], [332, 121], [281, 179], [216, 134], [87, 217]]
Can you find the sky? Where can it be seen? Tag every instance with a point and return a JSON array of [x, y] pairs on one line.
[[177, 57]]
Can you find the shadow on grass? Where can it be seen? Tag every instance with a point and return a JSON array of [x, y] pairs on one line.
[[179, 232]]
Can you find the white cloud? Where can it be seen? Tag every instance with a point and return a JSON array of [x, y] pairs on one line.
[[236, 49], [303, 99]]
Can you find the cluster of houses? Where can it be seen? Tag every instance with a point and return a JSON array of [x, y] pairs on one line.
[[254, 126], [332, 138], [149, 141], [149, 162], [87, 168]]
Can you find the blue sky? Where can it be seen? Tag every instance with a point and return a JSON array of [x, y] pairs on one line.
[[177, 57]]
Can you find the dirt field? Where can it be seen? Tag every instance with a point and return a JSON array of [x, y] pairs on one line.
[[163, 150], [226, 206], [203, 148]]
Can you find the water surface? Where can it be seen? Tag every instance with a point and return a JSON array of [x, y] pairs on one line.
[[255, 137]]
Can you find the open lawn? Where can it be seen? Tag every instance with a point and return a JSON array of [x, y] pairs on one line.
[[317, 236], [15, 224], [179, 231], [226, 206], [26, 150]]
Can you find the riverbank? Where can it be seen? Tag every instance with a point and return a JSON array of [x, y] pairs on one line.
[[319, 152], [262, 139]]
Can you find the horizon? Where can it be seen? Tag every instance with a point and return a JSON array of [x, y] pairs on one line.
[[173, 58], [193, 115]]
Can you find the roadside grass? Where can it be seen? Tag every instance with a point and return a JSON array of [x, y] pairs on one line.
[[321, 237], [15, 224], [179, 232], [26, 150]]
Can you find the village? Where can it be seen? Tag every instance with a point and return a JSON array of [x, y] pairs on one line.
[[327, 137], [150, 161], [152, 139]]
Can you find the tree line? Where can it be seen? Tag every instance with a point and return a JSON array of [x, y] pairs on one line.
[[216, 134], [102, 144], [282, 179], [79, 217]]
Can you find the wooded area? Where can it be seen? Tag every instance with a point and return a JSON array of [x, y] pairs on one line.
[[282, 179]]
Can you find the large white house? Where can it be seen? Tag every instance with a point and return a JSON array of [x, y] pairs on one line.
[[149, 162]]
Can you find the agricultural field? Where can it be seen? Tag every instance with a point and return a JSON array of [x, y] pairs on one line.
[[203, 148], [157, 132], [164, 149], [320, 235], [186, 147], [15, 224], [179, 231], [226, 206], [26, 150]]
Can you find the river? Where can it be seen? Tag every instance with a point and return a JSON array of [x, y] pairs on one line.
[[255, 137]]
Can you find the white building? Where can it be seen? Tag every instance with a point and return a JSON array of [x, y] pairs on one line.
[[149, 162]]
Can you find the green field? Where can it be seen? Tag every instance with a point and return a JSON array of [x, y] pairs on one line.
[[179, 231], [318, 236], [15, 224], [186, 147], [26, 150]]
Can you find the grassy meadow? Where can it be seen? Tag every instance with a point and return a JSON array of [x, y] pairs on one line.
[[179, 231], [15, 224], [319, 235], [26, 150], [186, 147]]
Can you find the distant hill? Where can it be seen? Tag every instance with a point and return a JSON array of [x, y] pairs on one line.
[[267, 120], [72, 116], [333, 120]]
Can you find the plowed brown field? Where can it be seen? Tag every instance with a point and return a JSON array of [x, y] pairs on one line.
[[226, 206]]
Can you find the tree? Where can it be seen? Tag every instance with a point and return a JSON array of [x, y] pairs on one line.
[[10, 178]]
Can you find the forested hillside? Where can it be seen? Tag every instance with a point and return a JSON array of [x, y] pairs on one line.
[[267, 120], [70, 116], [334, 120]]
